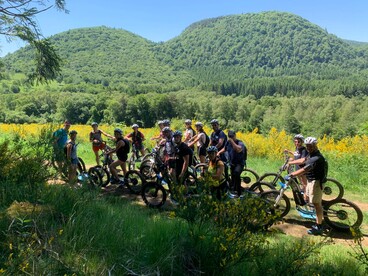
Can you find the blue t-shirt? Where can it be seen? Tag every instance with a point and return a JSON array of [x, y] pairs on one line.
[[62, 137]]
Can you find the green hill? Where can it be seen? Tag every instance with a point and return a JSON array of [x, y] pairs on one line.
[[229, 51]]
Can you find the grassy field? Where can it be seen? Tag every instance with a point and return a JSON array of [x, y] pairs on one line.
[[61, 230]]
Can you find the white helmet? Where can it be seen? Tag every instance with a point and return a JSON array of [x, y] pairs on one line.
[[310, 140], [135, 125], [299, 136], [187, 121]]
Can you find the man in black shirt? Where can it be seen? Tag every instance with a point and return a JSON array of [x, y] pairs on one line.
[[183, 155], [218, 138], [314, 169]]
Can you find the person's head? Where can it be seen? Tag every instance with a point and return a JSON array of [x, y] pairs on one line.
[[118, 132], [215, 124], [177, 137], [166, 131], [188, 123], [67, 124], [135, 127], [212, 152], [311, 144], [298, 140], [231, 134], [198, 126], [73, 134], [166, 123], [94, 125], [160, 124]]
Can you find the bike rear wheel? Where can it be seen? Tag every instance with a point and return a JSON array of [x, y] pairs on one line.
[[332, 190], [342, 214], [153, 194], [281, 205], [105, 174], [134, 181], [271, 178], [248, 177]]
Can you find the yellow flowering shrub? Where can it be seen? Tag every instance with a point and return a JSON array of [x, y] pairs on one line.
[[259, 145]]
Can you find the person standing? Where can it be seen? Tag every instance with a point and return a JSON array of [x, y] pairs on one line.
[[72, 157], [201, 139], [60, 138], [137, 139], [184, 157], [189, 133], [218, 138], [315, 171], [235, 150], [95, 137]]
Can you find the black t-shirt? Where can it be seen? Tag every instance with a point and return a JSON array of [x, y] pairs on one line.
[[181, 151], [122, 153], [216, 136], [315, 166], [235, 158]]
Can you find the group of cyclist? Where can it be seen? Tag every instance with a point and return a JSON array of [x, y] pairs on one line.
[[223, 152]]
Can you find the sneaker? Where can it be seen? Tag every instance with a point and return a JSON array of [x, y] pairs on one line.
[[315, 230]]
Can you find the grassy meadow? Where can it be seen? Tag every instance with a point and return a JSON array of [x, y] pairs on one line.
[[59, 230]]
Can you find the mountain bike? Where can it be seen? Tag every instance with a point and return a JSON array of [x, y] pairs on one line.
[[92, 178], [332, 189], [159, 183], [135, 157], [339, 214], [62, 167]]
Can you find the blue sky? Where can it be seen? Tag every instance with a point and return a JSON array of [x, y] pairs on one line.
[[161, 20]]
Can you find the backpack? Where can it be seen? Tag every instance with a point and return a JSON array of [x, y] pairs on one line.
[[207, 142], [325, 172]]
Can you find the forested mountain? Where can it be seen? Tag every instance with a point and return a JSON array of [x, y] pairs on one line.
[[237, 68]]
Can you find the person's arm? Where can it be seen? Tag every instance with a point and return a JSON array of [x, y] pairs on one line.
[[237, 148], [107, 135], [193, 140], [118, 146], [69, 152], [185, 166], [299, 161]]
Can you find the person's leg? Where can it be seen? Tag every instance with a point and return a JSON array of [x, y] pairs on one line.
[[72, 176], [113, 169], [315, 196], [123, 167], [235, 176]]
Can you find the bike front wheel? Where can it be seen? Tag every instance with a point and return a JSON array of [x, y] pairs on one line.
[[271, 178], [153, 194], [332, 190], [281, 205], [94, 178], [248, 177], [261, 187], [342, 214]]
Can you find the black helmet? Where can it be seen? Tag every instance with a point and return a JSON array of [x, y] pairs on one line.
[[212, 149], [118, 130], [177, 133], [73, 132], [94, 124]]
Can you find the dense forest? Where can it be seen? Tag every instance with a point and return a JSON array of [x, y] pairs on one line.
[[250, 71]]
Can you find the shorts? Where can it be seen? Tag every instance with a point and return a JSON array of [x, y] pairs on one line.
[[138, 146], [314, 191], [202, 151], [98, 147], [123, 158]]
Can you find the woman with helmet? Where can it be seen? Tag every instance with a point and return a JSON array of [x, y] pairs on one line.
[[315, 171], [300, 152], [216, 170], [137, 138], [202, 141], [159, 137], [189, 132], [122, 150], [95, 137]]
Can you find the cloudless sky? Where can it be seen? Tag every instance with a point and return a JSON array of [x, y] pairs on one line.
[[161, 20]]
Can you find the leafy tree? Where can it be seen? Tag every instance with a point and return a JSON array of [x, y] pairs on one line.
[[17, 20]]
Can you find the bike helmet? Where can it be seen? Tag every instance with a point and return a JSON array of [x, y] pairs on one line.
[[160, 122], [187, 121], [212, 149], [118, 130], [135, 125], [166, 122], [299, 136], [94, 124], [177, 133], [198, 124], [166, 129], [73, 132], [310, 140], [214, 121]]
